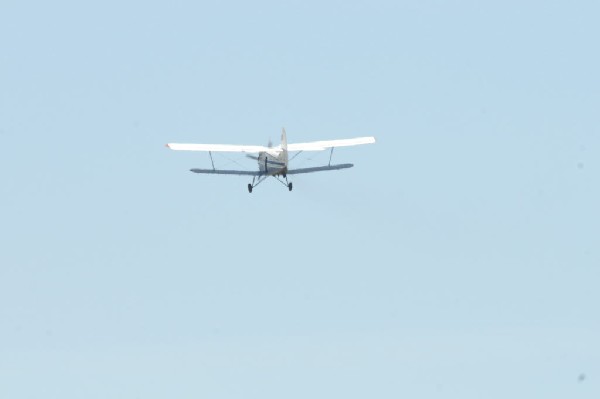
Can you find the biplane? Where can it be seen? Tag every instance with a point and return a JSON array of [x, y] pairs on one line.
[[273, 161]]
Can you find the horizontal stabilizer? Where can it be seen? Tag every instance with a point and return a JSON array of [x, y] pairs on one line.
[[319, 169]]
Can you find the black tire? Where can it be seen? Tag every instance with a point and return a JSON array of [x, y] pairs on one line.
[[290, 186], [249, 187]]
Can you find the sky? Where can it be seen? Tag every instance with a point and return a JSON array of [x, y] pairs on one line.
[[459, 258]]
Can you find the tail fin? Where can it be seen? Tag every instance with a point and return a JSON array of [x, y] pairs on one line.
[[284, 147], [283, 139]]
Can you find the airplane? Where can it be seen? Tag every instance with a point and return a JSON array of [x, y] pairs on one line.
[[272, 161]]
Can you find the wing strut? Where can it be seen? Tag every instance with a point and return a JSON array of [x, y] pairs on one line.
[[211, 159], [295, 155], [330, 155]]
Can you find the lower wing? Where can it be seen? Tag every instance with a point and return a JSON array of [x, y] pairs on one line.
[[257, 173], [319, 169]]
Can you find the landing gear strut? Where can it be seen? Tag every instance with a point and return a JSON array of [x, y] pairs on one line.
[[256, 182], [261, 178], [287, 183]]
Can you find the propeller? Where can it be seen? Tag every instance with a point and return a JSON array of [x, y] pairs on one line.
[[270, 145]]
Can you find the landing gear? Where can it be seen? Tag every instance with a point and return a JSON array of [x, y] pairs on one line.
[[286, 183], [261, 178], [256, 182]]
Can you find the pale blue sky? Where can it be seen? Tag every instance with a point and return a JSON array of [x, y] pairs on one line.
[[458, 259]]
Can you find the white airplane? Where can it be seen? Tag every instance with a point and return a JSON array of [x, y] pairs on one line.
[[272, 161]]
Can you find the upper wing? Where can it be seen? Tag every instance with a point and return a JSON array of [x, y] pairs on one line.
[[218, 147], [322, 145], [227, 172]]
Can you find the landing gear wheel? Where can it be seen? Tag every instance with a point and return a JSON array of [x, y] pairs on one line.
[[249, 187], [290, 186]]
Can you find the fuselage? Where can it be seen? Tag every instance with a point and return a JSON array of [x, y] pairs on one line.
[[273, 162]]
